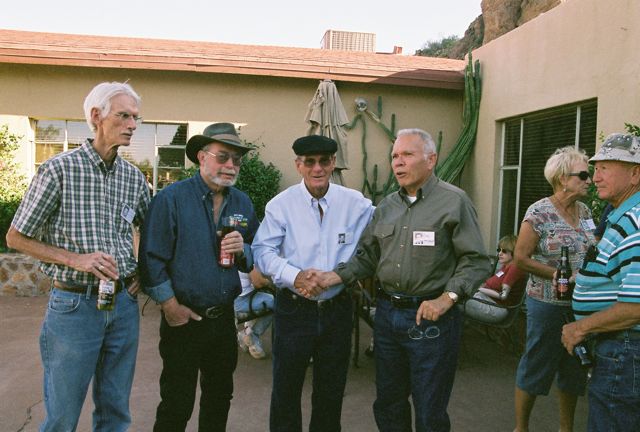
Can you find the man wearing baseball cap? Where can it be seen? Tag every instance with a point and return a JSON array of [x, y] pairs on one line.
[[179, 260], [312, 225], [606, 299]]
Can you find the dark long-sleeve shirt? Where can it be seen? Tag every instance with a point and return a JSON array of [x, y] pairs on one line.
[[422, 248], [178, 247]]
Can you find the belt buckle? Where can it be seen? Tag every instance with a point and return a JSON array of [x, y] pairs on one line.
[[397, 301], [213, 312]]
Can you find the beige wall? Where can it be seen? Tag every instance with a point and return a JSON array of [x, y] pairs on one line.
[[581, 49], [273, 109]]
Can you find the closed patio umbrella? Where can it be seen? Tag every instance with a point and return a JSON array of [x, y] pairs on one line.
[[327, 117]]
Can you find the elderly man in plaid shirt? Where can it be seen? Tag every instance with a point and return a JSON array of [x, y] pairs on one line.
[[77, 218]]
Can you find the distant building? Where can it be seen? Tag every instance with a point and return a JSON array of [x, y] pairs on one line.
[[349, 41]]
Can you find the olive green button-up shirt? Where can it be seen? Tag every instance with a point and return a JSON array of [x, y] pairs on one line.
[[422, 248]]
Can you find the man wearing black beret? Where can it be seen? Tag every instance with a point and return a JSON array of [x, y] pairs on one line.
[[312, 225]]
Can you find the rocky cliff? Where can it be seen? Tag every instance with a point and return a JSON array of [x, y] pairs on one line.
[[499, 17]]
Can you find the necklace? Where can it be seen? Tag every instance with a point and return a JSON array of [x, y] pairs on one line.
[[571, 217]]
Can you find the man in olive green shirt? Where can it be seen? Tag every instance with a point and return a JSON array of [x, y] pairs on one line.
[[425, 249]]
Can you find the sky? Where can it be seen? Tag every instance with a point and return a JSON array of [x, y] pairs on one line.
[[295, 23]]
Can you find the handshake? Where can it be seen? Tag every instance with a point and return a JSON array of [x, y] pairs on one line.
[[311, 282]]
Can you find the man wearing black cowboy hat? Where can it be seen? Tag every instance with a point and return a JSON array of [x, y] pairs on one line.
[[179, 256]]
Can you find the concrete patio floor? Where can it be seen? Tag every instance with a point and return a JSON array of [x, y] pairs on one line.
[[482, 399]]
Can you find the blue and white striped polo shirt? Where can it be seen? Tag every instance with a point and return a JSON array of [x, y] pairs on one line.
[[612, 274]]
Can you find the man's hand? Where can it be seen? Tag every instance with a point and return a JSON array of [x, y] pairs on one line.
[[307, 283], [98, 263], [572, 335], [432, 310], [177, 314], [232, 243]]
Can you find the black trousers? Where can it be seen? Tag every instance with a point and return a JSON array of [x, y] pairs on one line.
[[209, 347]]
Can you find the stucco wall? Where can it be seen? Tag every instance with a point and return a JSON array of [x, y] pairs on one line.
[[273, 108], [581, 49]]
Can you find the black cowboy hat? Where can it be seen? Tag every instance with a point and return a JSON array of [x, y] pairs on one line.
[[224, 133]]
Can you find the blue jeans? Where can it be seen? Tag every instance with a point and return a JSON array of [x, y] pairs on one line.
[[614, 388], [423, 369], [306, 329], [78, 342], [544, 356], [259, 301]]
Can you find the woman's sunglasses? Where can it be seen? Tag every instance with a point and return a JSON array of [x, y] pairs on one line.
[[582, 175], [503, 250]]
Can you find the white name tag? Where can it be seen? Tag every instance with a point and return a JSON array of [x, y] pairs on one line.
[[128, 213], [588, 224], [424, 238], [345, 238], [500, 273]]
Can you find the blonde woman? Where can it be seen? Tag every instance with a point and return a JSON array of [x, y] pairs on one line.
[[550, 223]]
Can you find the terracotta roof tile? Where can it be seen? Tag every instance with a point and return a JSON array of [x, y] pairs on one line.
[[136, 53]]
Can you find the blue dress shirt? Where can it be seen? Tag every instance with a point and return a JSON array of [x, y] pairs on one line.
[[292, 237], [178, 247]]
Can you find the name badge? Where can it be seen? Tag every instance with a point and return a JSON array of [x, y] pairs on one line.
[[500, 273], [128, 213], [424, 238], [345, 238], [588, 224]]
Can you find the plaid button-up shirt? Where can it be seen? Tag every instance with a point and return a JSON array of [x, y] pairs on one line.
[[75, 202]]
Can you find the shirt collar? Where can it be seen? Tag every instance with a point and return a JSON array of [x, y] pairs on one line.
[[95, 158], [423, 190], [627, 205], [326, 199]]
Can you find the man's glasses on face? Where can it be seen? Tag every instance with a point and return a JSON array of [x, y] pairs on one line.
[[324, 161], [223, 157], [125, 117], [582, 175]]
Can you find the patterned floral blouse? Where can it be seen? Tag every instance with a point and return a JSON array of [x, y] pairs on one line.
[[555, 232]]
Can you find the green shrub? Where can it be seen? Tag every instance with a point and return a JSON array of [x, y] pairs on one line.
[[12, 184], [258, 180]]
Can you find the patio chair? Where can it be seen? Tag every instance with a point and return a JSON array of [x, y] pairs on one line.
[[253, 314], [363, 309]]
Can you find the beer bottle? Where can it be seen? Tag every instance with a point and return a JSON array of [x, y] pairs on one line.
[[226, 259], [580, 350], [106, 295], [563, 274]]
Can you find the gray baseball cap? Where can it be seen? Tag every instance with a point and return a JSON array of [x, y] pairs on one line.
[[619, 147]]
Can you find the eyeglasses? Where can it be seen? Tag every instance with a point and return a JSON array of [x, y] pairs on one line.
[[311, 162], [582, 175], [416, 333], [125, 117], [223, 157], [503, 250]]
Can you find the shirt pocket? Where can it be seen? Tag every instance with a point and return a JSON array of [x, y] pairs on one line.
[[384, 234]]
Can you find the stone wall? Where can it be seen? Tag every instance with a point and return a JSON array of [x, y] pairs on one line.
[[20, 276]]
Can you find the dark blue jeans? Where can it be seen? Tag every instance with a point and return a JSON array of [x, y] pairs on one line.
[[306, 329], [423, 369], [209, 347], [614, 388]]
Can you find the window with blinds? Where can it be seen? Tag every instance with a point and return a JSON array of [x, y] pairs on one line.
[[528, 142]]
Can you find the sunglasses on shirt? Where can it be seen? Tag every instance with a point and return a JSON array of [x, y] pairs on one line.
[[582, 175]]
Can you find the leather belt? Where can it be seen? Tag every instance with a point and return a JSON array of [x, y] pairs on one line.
[[406, 302], [342, 295], [212, 312], [620, 335], [82, 289]]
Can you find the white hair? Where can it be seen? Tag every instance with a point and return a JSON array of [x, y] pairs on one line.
[[429, 144], [100, 97]]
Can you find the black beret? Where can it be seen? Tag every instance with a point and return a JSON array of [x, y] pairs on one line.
[[314, 144]]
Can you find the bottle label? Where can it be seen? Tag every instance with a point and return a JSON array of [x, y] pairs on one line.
[[563, 284], [106, 291], [106, 287]]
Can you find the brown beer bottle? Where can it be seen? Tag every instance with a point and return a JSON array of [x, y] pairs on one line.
[[226, 259], [564, 273], [106, 295]]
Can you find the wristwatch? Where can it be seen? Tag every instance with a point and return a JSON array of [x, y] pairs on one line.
[[453, 296]]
